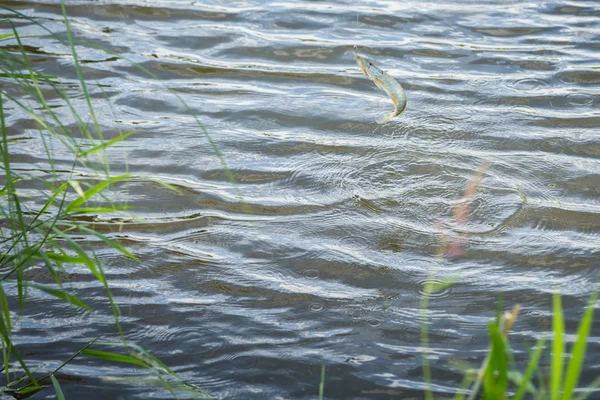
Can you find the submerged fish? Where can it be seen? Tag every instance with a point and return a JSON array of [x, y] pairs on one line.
[[385, 82]]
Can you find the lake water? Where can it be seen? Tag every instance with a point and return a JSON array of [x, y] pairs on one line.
[[321, 251]]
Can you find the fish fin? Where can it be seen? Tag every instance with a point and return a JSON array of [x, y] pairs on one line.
[[379, 83], [389, 116]]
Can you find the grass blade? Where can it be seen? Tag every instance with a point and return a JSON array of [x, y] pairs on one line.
[[79, 72], [322, 384], [143, 354], [6, 339], [104, 145], [495, 381], [67, 361], [110, 356], [6, 321], [28, 391], [61, 294], [15, 75], [77, 187], [94, 190], [558, 347], [5, 309], [531, 367], [65, 258], [578, 353], [4, 190], [91, 264], [57, 389], [157, 366], [109, 242]]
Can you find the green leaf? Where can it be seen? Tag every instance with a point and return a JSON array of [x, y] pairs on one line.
[[77, 187], [5, 310], [109, 356], [558, 347], [109, 242], [322, 384], [94, 190], [27, 76], [57, 389], [6, 35], [28, 391], [82, 254], [578, 353], [61, 294], [56, 193], [106, 144], [148, 358], [82, 83], [51, 269], [66, 259], [495, 380], [4, 190]]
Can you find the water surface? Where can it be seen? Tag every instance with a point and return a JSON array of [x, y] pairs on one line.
[[320, 253]]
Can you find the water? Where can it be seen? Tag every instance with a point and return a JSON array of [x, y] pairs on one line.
[[321, 254]]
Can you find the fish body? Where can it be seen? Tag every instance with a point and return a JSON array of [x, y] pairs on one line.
[[385, 82]]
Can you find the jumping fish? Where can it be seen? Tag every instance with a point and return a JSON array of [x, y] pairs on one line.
[[385, 82]]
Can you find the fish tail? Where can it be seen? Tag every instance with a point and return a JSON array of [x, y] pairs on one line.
[[385, 119], [391, 115]]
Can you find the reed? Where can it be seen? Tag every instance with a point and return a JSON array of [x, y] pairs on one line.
[[48, 233]]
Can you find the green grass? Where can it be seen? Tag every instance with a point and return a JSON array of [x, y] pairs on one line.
[[49, 235], [322, 384]]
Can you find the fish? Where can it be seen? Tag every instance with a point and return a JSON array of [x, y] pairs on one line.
[[383, 81]]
